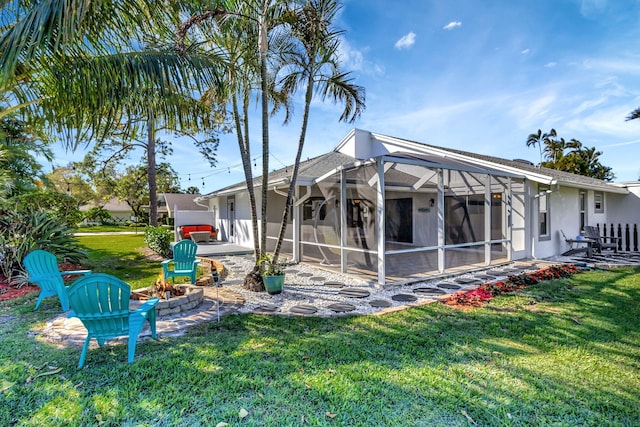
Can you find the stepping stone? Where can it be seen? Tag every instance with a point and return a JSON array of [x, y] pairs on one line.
[[429, 291], [496, 273], [291, 271], [451, 286], [341, 307], [305, 274], [464, 281], [336, 285], [317, 279], [305, 309], [266, 308], [380, 303], [354, 292], [483, 277], [404, 298]]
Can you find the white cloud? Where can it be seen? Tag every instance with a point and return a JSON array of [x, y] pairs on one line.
[[623, 65], [525, 51], [590, 8], [550, 64], [406, 41], [352, 59], [451, 25]]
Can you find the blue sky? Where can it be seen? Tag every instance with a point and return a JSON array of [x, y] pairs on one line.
[[470, 74]]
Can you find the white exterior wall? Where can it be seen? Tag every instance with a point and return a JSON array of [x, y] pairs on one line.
[[243, 235], [623, 209]]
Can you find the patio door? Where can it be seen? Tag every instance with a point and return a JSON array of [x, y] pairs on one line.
[[231, 217]]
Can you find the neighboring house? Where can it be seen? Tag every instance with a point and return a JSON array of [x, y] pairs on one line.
[[120, 211], [395, 208]]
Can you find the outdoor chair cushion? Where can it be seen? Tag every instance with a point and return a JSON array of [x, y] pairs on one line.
[[186, 230]]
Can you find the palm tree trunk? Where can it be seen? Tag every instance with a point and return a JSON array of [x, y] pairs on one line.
[[245, 154], [151, 163], [265, 128], [294, 175]]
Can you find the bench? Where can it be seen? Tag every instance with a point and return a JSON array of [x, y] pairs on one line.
[[200, 231]]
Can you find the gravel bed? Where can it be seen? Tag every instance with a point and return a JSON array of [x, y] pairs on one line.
[[305, 287]]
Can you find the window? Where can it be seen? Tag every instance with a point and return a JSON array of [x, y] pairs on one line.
[[598, 201], [582, 209], [543, 213]]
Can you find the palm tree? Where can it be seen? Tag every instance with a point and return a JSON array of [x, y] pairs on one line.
[[84, 86], [312, 62], [254, 23], [540, 139], [635, 114], [554, 149]]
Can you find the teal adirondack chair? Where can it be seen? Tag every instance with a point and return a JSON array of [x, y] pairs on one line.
[[184, 261], [42, 267], [101, 302]]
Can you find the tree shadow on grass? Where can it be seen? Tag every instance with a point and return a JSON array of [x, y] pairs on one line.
[[548, 355]]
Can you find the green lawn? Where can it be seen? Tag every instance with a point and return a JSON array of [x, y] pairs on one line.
[[119, 255], [561, 353], [108, 228]]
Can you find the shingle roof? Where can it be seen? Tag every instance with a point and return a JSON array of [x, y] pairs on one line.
[[561, 177], [185, 202], [309, 170], [313, 168]]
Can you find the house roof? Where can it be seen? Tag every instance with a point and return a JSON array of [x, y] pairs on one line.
[[184, 202], [532, 172], [113, 205], [308, 173], [314, 169]]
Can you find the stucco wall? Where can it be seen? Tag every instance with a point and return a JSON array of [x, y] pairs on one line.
[[624, 209]]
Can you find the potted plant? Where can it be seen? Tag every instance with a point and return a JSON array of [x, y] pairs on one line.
[[272, 274]]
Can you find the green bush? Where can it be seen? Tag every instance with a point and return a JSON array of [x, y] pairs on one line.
[[99, 214], [158, 239], [22, 232], [60, 205]]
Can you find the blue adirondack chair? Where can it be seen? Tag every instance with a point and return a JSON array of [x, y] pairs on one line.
[[42, 267], [101, 302], [184, 261]]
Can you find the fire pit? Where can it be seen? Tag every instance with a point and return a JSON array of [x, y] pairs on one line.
[[174, 299]]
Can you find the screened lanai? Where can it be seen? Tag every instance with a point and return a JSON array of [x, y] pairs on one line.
[[401, 216]]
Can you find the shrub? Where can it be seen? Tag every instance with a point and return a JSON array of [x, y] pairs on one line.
[[486, 291], [99, 214], [158, 240], [23, 232], [62, 206]]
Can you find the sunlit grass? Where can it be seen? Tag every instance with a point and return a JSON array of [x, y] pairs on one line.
[[563, 352], [120, 255]]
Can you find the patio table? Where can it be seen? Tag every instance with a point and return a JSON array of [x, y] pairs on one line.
[[200, 236]]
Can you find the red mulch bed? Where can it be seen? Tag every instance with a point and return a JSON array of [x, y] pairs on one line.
[[9, 292]]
